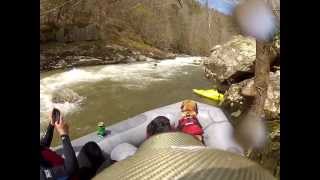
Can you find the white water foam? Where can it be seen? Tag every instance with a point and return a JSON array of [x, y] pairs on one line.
[[140, 75], [56, 82], [132, 76]]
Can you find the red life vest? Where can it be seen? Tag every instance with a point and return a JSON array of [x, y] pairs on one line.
[[190, 125], [52, 157]]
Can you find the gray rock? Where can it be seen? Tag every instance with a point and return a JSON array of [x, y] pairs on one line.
[[248, 89], [141, 58], [130, 59], [272, 103], [86, 61], [233, 98], [235, 56], [236, 95], [61, 64], [171, 56], [65, 95], [116, 47], [197, 61], [120, 57]]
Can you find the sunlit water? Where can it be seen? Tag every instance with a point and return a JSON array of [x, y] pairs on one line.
[[113, 93]]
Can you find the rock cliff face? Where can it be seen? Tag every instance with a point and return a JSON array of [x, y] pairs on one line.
[[150, 27], [232, 63], [164, 24]]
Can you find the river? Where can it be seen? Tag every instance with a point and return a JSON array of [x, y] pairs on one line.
[[112, 93]]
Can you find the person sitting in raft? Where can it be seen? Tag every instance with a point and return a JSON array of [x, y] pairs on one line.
[[91, 159], [158, 125], [189, 122], [53, 166]]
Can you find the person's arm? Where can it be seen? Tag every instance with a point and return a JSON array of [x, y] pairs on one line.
[[47, 138], [70, 159]]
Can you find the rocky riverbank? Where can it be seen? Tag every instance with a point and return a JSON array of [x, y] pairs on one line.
[[67, 55], [232, 65]]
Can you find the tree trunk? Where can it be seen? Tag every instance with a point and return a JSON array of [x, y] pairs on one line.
[[261, 79], [250, 131]]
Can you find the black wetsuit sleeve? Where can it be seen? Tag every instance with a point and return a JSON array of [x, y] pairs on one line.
[[47, 138], [70, 159]]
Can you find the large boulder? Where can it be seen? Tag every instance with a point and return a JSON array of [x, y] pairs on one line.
[[66, 96], [231, 60], [240, 94]]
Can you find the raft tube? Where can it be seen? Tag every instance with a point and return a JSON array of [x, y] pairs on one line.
[[218, 131]]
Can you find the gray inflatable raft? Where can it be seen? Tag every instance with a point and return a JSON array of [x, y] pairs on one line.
[[218, 132]]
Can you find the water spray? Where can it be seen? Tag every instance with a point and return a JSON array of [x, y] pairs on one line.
[[255, 18]]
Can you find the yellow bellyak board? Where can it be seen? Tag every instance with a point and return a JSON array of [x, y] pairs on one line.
[[209, 93]]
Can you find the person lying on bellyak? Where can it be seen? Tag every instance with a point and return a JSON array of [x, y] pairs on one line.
[[189, 122]]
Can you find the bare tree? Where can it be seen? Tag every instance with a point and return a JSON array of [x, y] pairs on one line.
[[262, 70]]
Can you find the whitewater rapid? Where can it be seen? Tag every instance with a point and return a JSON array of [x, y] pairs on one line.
[[131, 76]]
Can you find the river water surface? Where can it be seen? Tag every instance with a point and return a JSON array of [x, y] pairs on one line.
[[112, 93]]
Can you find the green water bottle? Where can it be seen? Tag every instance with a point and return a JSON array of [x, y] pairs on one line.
[[101, 129]]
